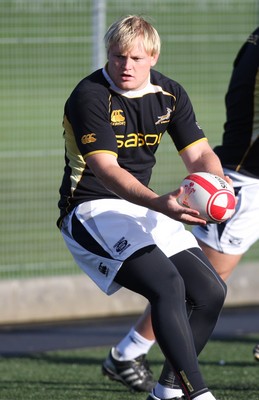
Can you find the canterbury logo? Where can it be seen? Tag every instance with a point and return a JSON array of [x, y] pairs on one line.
[[89, 138], [117, 118], [162, 119], [103, 269]]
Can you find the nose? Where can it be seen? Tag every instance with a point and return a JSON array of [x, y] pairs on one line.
[[127, 63]]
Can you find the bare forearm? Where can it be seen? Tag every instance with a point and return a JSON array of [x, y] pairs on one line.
[[203, 159], [208, 163], [126, 186]]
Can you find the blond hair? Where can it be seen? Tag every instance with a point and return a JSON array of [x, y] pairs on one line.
[[127, 29]]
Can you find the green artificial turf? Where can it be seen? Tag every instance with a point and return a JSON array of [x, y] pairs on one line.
[[228, 367]]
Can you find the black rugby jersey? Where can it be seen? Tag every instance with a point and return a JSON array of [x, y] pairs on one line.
[[100, 117], [240, 146]]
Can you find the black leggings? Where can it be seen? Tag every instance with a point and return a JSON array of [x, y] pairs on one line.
[[166, 283]]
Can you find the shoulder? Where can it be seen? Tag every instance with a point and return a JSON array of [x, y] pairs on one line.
[[157, 78], [90, 85], [168, 86], [248, 54], [254, 37], [91, 91]]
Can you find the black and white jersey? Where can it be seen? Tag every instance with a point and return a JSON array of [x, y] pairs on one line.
[[101, 118], [240, 146]]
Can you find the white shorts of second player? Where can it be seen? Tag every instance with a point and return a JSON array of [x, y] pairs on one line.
[[239, 233], [120, 228]]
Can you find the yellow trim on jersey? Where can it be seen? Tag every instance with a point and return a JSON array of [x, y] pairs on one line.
[[158, 89], [100, 151], [193, 143], [76, 161]]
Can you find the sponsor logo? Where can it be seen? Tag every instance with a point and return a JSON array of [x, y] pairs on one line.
[[121, 245], [221, 182], [89, 138], [163, 119], [138, 140], [103, 269], [117, 118]]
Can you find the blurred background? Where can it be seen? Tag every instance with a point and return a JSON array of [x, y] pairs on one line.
[[46, 48]]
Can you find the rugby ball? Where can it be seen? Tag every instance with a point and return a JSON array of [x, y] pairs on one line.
[[209, 194]]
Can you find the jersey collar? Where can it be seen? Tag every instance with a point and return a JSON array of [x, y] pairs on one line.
[[127, 93]]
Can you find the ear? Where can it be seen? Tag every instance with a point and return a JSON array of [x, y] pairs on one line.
[[154, 59]]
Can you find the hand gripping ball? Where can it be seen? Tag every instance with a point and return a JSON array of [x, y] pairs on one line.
[[209, 194]]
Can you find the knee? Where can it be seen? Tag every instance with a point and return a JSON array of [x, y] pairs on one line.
[[217, 295], [169, 288], [209, 300]]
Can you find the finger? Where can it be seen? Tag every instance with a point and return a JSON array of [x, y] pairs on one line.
[[189, 211], [190, 220]]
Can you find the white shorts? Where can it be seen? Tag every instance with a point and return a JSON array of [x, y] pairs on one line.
[[239, 233], [121, 228]]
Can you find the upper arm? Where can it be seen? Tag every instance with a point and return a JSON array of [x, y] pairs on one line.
[[101, 163], [195, 150]]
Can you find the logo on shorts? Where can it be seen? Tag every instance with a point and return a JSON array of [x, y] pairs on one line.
[[235, 241], [121, 245], [103, 269]]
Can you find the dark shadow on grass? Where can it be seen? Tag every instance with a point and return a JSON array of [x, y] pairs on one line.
[[61, 386], [57, 359], [238, 338]]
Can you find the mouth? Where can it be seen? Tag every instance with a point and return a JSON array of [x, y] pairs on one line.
[[126, 77]]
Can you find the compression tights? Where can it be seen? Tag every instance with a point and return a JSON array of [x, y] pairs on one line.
[[166, 283]]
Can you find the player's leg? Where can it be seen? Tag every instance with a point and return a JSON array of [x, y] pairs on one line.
[[200, 281], [131, 346], [128, 358], [144, 325], [154, 276], [126, 362], [140, 338], [224, 264]]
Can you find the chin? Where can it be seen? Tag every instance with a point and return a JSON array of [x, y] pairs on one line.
[[126, 86]]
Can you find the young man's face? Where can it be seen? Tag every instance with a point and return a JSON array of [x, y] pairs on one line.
[[130, 69]]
